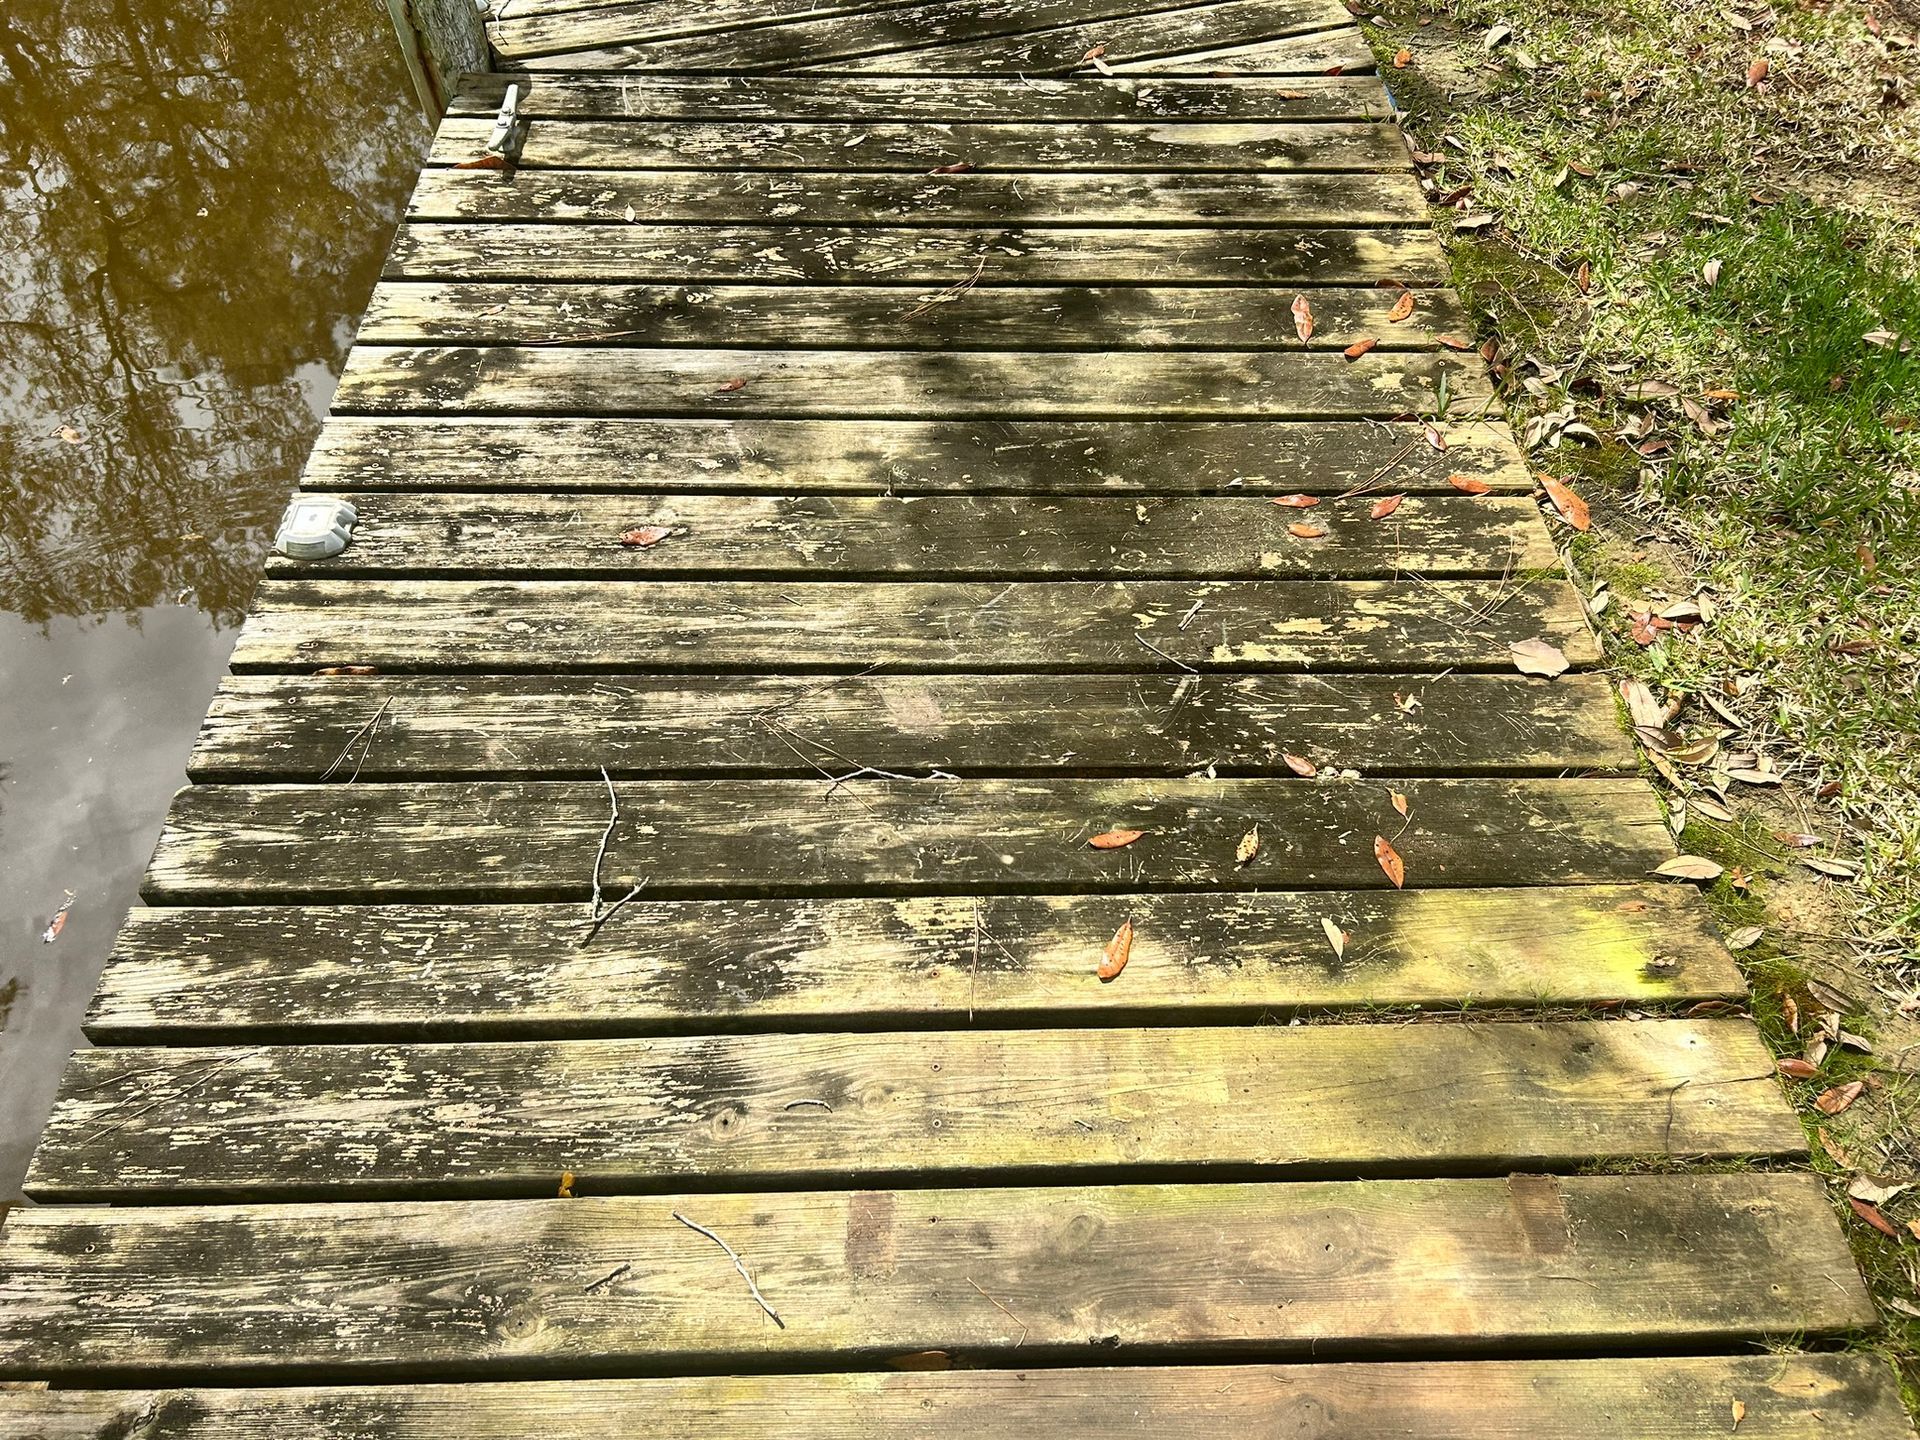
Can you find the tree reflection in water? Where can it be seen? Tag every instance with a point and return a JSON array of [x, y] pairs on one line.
[[196, 200]]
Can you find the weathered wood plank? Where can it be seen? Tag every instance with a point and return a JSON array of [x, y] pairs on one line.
[[531, 32], [898, 198], [660, 1112], [820, 626], [1061, 50], [915, 255], [1787, 1397], [928, 537], [228, 844], [981, 457], [905, 384], [525, 1287], [294, 727], [519, 971], [831, 40], [854, 317], [955, 99], [859, 145], [1342, 50]]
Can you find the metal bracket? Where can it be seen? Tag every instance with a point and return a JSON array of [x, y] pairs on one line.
[[500, 141]]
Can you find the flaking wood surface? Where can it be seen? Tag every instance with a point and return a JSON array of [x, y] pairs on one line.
[[295, 727], [883, 317], [854, 146], [935, 36], [539, 839], [521, 971], [670, 1111], [911, 457], [826, 625], [930, 537], [954, 99], [975, 197], [915, 255], [1787, 1397], [1307, 1270]]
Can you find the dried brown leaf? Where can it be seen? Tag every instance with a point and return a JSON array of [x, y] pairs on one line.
[[1385, 506], [1836, 1100], [1302, 318], [1566, 504], [1114, 959], [1402, 308], [1469, 484], [1391, 864], [1115, 839], [1359, 348]]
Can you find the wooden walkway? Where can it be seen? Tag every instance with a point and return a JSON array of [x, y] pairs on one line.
[[894, 479]]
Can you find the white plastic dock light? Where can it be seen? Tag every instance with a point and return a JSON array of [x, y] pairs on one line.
[[315, 527]]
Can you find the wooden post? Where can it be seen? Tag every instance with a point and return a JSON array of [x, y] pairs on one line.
[[440, 40]]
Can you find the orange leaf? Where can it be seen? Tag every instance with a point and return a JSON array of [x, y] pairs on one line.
[[728, 386], [1469, 484], [1114, 960], [1832, 1102], [1302, 531], [1434, 438], [1359, 348], [1403, 59], [646, 537], [485, 162], [1095, 53], [1300, 765], [1297, 502], [1570, 507], [1399, 803], [1871, 1214], [1454, 342], [1390, 862], [1385, 506], [347, 670], [959, 167], [1302, 318], [1795, 1068], [1402, 308], [1756, 73], [1115, 839], [565, 1191], [1583, 277]]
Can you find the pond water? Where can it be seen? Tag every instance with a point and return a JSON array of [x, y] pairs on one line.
[[197, 199]]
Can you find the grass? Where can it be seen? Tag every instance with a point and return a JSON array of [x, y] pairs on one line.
[[1709, 270]]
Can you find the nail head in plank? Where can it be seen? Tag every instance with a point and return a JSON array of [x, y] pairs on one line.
[[228, 844], [509, 1287]]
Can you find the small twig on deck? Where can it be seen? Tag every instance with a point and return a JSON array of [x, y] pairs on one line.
[[949, 295], [973, 975], [1163, 654], [606, 1280], [1024, 1328], [367, 729], [1374, 479], [738, 1264], [599, 921], [796, 1104]]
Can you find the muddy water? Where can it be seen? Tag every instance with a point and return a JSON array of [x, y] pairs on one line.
[[196, 198]]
